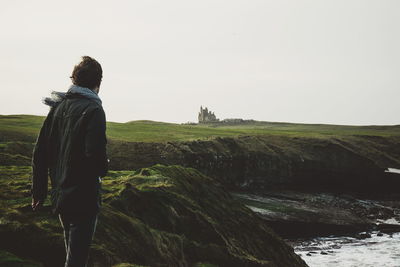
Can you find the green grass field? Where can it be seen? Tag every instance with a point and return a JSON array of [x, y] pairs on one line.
[[26, 127]]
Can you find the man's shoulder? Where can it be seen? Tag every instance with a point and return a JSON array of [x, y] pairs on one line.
[[78, 106]]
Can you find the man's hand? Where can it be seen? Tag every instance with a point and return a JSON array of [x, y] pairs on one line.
[[36, 204]]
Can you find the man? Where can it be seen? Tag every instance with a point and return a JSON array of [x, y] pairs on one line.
[[71, 149]]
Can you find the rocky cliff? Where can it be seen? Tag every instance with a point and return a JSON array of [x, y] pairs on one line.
[[308, 186], [346, 163], [157, 216], [345, 173]]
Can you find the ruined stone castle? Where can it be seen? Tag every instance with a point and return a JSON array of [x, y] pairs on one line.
[[206, 116]]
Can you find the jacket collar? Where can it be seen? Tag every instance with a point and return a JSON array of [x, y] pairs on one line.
[[57, 97]]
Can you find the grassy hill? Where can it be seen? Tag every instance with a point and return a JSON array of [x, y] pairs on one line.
[[26, 127]]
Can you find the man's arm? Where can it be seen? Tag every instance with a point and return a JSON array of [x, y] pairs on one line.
[[40, 167], [95, 143]]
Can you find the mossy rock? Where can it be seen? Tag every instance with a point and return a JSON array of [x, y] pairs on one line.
[[14, 159], [128, 265], [204, 264], [158, 216], [8, 259]]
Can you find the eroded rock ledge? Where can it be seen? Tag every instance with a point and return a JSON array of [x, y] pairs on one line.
[[157, 216], [337, 164], [313, 186]]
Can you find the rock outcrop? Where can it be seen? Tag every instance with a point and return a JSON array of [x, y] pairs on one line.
[[298, 214], [157, 216], [342, 164]]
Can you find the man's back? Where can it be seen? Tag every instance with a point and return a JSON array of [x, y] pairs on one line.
[[72, 143]]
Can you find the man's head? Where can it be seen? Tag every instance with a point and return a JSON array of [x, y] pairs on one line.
[[88, 73]]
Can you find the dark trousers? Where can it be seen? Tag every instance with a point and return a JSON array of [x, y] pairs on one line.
[[78, 235]]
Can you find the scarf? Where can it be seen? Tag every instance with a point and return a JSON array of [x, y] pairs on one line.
[[57, 97]]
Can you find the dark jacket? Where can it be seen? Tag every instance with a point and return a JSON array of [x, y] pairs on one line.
[[71, 149]]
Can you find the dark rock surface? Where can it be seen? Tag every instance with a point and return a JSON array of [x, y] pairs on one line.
[[345, 164], [157, 216], [302, 214], [316, 186]]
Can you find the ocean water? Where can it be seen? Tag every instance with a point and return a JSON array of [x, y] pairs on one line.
[[377, 251]]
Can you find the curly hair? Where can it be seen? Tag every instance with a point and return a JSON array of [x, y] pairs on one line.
[[88, 73]]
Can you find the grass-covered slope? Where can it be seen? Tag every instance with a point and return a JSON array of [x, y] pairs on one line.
[[25, 128], [157, 216]]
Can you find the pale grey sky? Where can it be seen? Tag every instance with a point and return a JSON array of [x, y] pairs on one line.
[[312, 61]]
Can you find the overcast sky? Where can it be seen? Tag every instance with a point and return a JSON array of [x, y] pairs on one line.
[[311, 61]]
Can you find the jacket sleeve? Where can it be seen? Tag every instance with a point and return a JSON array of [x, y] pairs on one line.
[[95, 143], [40, 163]]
